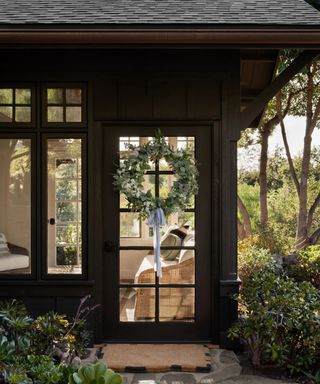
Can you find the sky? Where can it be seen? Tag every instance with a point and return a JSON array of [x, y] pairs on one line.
[[295, 127]]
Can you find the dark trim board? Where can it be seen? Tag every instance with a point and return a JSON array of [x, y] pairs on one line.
[[120, 36]]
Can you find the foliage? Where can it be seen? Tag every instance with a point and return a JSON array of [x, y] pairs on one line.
[[130, 175], [15, 324], [39, 368], [283, 204], [307, 267], [279, 321], [50, 328], [252, 259], [7, 350], [95, 374], [38, 341]]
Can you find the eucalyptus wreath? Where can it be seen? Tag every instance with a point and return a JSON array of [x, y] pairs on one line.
[[138, 160]]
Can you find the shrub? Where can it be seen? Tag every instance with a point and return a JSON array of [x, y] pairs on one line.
[[252, 259], [307, 267], [279, 322]]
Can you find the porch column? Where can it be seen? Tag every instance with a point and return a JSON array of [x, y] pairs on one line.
[[229, 282]]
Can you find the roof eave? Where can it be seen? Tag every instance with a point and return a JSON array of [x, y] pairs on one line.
[[242, 36]]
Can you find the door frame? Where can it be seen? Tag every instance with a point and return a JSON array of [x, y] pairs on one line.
[[96, 153]]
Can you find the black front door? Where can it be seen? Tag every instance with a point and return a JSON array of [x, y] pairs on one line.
[[138, 306]]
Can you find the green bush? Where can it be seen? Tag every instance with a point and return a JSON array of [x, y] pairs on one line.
[[279, 322], [307, 267], [252, 259]]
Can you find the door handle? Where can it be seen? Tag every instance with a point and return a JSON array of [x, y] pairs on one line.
[[109, 246]]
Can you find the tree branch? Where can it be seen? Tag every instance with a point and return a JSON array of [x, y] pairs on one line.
[[312, 210], [315, 237], [286, 145], [245, 215]]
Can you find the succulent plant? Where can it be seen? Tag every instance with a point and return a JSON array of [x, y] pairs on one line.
[[95, 374]]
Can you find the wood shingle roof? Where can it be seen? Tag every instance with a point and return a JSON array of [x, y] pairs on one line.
[[159, 12]]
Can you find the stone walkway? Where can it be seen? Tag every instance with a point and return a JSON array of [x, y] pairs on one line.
[[225, 370]]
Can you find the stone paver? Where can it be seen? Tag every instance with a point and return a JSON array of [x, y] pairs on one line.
[[226, 369]]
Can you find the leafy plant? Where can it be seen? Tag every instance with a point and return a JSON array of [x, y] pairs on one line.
[[252, 259], [95, 374], [279, 322], [16, 324], [7, 350], [307, 267], [34, 369]]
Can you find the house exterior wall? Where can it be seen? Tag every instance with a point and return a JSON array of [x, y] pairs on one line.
[[132, 86]]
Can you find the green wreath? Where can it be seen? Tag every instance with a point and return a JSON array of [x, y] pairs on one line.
[[129, 177]]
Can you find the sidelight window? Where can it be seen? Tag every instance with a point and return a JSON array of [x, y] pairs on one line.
[[64, 188], [15, 206]]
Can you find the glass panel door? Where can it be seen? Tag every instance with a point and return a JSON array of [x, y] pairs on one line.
[[139, 306], [172, 297]]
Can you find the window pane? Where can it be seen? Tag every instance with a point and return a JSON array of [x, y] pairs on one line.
[[6, 95], [55, 96], [55, 114], [23, 114], [137, 304], [23, 96], [136, 267], [129, 224], [15, 206], [73, 114], [73, 95], [176, 304], [5, 114], [64, 206]]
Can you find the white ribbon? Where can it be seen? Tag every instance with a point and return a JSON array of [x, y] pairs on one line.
[[156, 220]]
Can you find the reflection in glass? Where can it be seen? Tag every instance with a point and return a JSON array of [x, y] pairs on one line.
[[15, 206], [6, 95], [55, 114], [23, 114], [176, 304], [73, 95], [73, 114], [129, 224], [64, 206], [55, 96], [23, 96], [5, 114]]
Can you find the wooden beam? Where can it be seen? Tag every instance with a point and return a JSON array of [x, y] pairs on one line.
[[258, 104]]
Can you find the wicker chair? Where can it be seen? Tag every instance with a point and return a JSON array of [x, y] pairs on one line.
[[175, 303]]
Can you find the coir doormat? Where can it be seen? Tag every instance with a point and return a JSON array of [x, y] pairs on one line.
[[157, 357]]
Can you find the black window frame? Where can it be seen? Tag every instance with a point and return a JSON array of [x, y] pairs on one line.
[[33, 214], [83, 105], [14, 124], [44, 204]]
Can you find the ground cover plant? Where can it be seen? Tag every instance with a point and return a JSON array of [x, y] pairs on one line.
[[42, 350]]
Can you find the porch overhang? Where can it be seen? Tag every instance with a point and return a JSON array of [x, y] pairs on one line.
[[226, 37]]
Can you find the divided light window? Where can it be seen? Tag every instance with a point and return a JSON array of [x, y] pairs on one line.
[[15, 105], [64, 106]]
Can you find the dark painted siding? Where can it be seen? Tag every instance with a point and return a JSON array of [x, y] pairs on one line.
[[140, 85]]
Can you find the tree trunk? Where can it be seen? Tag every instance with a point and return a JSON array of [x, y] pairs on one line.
[[265, 133], [241, 230], [246, 218], [302, 239]]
